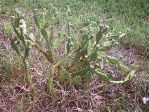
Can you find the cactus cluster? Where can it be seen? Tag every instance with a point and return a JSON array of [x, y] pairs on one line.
[[81, 58]]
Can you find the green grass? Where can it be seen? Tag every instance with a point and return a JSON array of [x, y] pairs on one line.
[[122, 14]]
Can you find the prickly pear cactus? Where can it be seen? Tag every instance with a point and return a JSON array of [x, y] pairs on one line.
[[81, 57], [22, 42]]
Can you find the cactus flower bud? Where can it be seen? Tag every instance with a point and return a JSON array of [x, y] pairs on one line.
[[22, 26]]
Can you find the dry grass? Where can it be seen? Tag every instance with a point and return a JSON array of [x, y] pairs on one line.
[[97, 96]]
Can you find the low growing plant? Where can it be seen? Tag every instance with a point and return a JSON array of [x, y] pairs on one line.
[[80, 59], [20, 42]]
